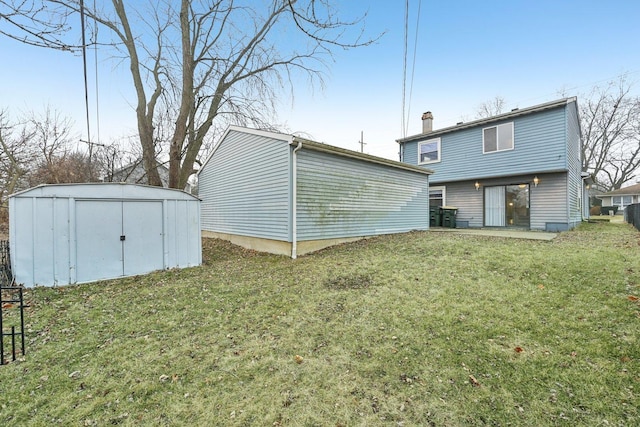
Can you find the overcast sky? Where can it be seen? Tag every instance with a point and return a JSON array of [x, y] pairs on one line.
[[467, 52]]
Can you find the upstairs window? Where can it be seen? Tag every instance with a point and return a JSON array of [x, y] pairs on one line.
[[429, 151], [497, 138]]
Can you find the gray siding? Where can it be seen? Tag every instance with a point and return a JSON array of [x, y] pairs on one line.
[[549, 203], [539, 146], [245, 187], [469, 202], [574, 160], [340, 197], [546, 201]]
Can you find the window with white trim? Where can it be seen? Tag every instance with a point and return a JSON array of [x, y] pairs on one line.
[[436, 196], [497, 138], [429, 151], [622, 201]]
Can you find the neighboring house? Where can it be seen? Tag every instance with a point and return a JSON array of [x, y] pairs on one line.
[[519, 169], [134, 173], [287, 195], [622, 197]]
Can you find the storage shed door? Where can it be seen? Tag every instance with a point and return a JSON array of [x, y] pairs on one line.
[[142, 228], [116, 238]]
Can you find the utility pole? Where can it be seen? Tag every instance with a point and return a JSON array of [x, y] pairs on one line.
[[362, 144]]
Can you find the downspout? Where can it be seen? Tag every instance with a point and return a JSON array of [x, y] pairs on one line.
[[294, 209]]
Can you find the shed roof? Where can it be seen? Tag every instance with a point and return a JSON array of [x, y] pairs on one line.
[[505, 116], [105, 190]]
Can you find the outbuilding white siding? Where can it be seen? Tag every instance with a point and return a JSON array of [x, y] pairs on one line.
[[287, 195], [76, 233]]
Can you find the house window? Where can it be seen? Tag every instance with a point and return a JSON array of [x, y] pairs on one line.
[[429, 151], [622, 201], [436, 196], [497, 138]]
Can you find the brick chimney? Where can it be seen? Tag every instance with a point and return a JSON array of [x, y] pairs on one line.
[[427, 122]]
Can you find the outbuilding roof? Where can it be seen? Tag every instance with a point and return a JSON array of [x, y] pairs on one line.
[[105, 190], [319, 146]]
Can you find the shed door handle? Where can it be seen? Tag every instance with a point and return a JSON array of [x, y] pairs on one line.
[[122, 238]]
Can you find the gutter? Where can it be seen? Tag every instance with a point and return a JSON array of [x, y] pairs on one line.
[[294, 209]]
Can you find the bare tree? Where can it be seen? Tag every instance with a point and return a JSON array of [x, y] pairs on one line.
[[16, 158], [36, 22], [210, 62], [490, 108], [58, 158], [610, 120]]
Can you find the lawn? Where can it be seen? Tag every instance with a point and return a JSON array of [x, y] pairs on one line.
[[406, 330]]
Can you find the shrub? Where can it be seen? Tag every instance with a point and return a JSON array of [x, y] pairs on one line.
[[595, 210]]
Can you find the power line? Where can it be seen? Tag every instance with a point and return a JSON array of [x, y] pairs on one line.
[[84, 64], [95, 41], [404, 67], [413, 67]]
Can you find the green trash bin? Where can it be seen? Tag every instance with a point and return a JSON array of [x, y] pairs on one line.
[[449, 216], [435, 217]]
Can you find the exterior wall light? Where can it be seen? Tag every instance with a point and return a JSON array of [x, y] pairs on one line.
[[477, 185], [536, 181]]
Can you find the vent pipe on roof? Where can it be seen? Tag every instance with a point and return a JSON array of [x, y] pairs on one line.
[[427, 122]]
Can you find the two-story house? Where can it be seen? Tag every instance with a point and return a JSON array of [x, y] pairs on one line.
[[520, 169]]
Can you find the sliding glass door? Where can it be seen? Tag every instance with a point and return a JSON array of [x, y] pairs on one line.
[[506, 206]]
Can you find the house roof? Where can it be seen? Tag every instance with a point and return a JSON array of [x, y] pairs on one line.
[[517, 112], [319, 146], [630, 190]]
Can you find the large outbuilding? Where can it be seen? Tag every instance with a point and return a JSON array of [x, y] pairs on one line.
[[75, 233], [282, 194]]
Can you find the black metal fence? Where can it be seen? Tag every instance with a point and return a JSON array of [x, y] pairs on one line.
[[11, 308], [6, 277], [632, 215], [11, 298]]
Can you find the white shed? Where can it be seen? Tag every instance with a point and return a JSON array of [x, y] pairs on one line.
[[76, 233]]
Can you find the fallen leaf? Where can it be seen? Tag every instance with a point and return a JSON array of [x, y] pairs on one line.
[[7, 305], [625, 359], [474, 381], [518, 349], [574, 354], [633, 298], [540, 286], [299, 359]]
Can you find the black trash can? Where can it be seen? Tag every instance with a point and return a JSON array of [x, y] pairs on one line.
[[435, 217], [449, 216]]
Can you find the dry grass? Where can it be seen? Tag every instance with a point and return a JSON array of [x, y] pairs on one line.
[[415, 329]]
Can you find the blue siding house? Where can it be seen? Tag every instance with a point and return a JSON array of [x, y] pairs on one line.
[[282, 194], [521, 169]]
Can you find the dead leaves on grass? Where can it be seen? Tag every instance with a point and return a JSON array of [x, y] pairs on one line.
[[474, 382], [350, 281]]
